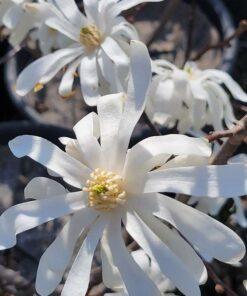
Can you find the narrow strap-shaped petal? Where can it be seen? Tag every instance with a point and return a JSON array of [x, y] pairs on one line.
[[110, 110], [207, 234], [28, 215], [88, 143], [234, 88], [52, 17], [150, 152], [89, 79], [212, 181], [72, 12], [167, 261], [110, 273], [33, 73], [176, 244], [56, 258], [92, 10], [40, 187], [12, 16], [221, 94], [117, 55], [109, 72], [139, 82], [135, 279], [79, 275], [66, 84], [52, 157]]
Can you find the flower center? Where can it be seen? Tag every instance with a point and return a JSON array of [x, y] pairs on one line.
[[90, 37], [105, 190]]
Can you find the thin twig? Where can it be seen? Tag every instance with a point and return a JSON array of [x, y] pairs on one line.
[[218, 281], [242, 27], [153, 128], [191, 29], [239, 133], [168, 12]]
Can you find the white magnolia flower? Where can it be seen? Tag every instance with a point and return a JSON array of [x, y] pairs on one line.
[[153, 271], [191, 98], [22, 24], [212, 206], [114, 185], [100, 47], [16, 19]]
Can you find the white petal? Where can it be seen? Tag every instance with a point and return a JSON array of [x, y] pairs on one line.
[[110, 110], [207, 234], [88, 143], [20, 32], [240, 212], [221, 94], [89, 79], [216, 107], [127, 4], [52, 17], [185, 161], [42, 67], [57, 256], [12, 17], [66, 85], [40, 187], [91, 10], [79, 275], [176, 244], [110, 273], [168, 262], [109, 72], [28, 215], [115, 53], [139, 82], [49, 155], [150, 152], [135, 280], [72, 12], [211, 181], [232, 85]]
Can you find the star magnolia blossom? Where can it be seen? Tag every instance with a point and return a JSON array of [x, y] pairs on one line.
[[191, 98], [116, 185], [100, 47], [153, 271], [212, 206], [16, 19], [20, 23]]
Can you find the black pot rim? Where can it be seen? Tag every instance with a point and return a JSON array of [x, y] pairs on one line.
[[215, 10], [11, 129]]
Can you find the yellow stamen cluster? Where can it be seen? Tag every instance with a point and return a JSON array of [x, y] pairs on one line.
[[90, 37], [105, 190]]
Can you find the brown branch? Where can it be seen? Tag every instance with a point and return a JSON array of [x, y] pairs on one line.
[[236, 136], [168, 11], [219, 284], [191, 29], [242, 27]]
